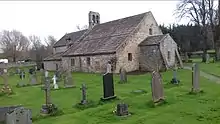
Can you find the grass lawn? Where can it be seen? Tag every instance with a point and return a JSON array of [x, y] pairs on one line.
[[181, 107]]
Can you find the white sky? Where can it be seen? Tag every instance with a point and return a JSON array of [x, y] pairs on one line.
[[43, 18]]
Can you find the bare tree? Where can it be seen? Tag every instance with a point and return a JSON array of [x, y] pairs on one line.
[[50, 41], [37, 49], [13, 43], [201, 13]]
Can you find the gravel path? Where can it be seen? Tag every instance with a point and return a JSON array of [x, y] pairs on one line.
[[206, 75]]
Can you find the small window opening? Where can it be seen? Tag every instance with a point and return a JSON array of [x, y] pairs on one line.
[[129, 56], [72, 62], [150, 31], [97, 19], [88, 61], [93, 18], [168, 56]]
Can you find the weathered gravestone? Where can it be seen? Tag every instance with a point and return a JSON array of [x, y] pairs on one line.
[[4, 111], [122, 109], [195, 78], [108, 86], [58, 75], [123, 76], [19, 116], [157, 87], [48, 107], [18, 71], [55, 85], [68, 80], [84, 100], [33, 78]]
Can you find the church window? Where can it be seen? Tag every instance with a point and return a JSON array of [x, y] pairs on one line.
[[72, 62], [168, 55], [129, 56], [88, 61], [150, 31]]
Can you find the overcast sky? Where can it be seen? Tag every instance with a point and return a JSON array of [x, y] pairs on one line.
[[56, 18]]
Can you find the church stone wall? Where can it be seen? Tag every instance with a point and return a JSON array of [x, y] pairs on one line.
[[131, 45]]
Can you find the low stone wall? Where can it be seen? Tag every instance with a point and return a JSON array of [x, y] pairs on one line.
[[23, 64]]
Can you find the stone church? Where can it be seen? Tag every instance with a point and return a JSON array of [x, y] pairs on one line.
[[133, 43]]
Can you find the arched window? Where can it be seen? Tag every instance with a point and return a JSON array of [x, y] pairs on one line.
[[93, 18], [150, 31], [97, 19]]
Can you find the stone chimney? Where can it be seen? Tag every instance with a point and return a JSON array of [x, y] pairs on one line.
[[94, 19]]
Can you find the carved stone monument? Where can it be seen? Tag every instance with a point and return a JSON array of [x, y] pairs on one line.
[[48, 107], [157, 87], [174, 79], [6, 88]]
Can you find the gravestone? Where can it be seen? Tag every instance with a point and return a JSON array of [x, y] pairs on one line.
[[33, 78], [18, 71], [157, 87], [108, 86], [68, 80], [48, 107], [4, 110], [84, 100], [31, 71], [195, 77], [19, 116], [122, 109], [55, 85], [123, 76]]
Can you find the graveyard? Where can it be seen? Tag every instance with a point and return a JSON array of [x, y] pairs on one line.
[[180, 105]]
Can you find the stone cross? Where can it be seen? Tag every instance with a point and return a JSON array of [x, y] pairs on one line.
[[55, 85], [195, 77], [22, 75], [157, 87], [83, 101], [46, 88], [123, 76]]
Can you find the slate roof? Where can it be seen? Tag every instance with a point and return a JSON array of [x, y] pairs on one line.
[[53, 57], [106, 37], [72, 36], [153, 40]]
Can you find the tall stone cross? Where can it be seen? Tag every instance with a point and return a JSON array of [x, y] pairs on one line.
[[83, 101], [46, 88]]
